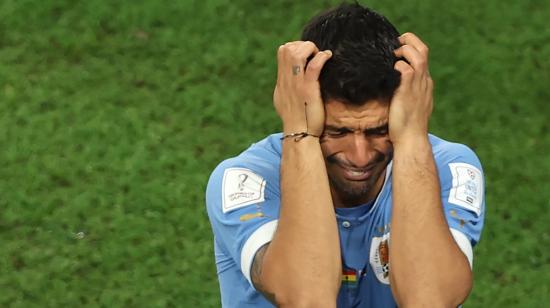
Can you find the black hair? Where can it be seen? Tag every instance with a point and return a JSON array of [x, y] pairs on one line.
[[362, 42]]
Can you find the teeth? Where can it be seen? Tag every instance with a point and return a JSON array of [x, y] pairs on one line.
[[357, 173]]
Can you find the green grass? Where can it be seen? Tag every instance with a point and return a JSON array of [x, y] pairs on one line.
[[113, 114]]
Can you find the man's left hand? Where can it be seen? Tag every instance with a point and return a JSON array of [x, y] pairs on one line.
[[412, 103]]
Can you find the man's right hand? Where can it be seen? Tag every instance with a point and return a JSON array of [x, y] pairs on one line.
[[297, 91], [306, 241]]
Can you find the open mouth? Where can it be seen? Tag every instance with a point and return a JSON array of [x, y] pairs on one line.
[[357, 174]]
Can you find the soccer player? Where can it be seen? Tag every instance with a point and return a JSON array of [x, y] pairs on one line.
[[354, 204]]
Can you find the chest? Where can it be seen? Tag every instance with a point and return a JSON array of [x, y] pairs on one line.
[[364, 243]]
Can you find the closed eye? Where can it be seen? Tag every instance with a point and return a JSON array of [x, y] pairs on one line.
[[377, 131], [336, 132]]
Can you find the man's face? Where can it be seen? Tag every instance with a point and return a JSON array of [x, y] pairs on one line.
[[356, 148]]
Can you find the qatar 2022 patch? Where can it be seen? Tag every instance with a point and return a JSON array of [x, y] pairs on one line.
[[241, 187]]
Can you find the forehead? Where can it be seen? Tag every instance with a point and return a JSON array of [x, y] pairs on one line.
[[370, 114]]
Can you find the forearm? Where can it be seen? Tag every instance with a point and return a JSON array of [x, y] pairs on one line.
[[426, 264], [304, 255]]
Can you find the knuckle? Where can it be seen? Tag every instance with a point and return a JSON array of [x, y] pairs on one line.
[[284, 49], [425, 49], [310, 43], [295, 56], [280, 51], [421, 61]]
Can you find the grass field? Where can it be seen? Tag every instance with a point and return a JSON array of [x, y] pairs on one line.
[[113, 114]]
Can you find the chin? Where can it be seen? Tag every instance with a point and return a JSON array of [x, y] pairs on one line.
[[351, 190], [354, 190]]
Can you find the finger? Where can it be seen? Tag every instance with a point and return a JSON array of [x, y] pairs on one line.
[[316, 64], [285, 49], [292, 57], [282, 62], [299, 57], [406, 70], [304, 50], [418, 61], [414, 41], [279, 60]]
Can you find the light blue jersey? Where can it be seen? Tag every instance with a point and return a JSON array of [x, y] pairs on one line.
[[243, 200]]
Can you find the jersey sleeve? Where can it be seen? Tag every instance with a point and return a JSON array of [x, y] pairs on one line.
[[242, 201], [463, 195]]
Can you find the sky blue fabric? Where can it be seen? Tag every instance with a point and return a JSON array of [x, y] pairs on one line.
[[364, 231]]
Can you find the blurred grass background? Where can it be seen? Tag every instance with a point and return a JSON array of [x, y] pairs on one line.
[[113, 114]]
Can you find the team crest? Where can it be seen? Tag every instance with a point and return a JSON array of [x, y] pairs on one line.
[[380, 258]]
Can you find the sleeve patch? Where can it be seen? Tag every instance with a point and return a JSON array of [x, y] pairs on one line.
[[467, 189], [241, 187]]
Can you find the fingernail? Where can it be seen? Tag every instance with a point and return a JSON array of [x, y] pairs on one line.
[[328, 52]]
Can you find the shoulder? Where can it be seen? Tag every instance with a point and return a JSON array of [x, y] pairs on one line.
[[263, 157], [462, 191], [460, 174], [447, 152], [459, 169]]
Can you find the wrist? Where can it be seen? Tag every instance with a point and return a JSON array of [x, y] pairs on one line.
[[291, 128], [298, 129], [413, 151], [298, 136], [411, 142]]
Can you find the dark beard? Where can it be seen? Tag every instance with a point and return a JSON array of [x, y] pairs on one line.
[[352, 193]]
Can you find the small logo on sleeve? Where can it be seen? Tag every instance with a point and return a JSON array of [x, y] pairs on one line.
[[241, 187], [467, 187]]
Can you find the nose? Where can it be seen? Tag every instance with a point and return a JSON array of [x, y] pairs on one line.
[[360, 152]]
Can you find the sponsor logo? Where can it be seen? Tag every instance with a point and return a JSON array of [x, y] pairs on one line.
[[380, 258], [241, 187]]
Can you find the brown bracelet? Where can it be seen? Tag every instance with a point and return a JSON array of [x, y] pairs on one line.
[[298, 136]]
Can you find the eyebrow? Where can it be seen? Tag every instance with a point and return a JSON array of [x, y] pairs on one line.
[[368, 131], [377, 129]]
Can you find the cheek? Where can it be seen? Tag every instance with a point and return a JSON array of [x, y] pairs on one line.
[[330, 147], [383, 145]]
